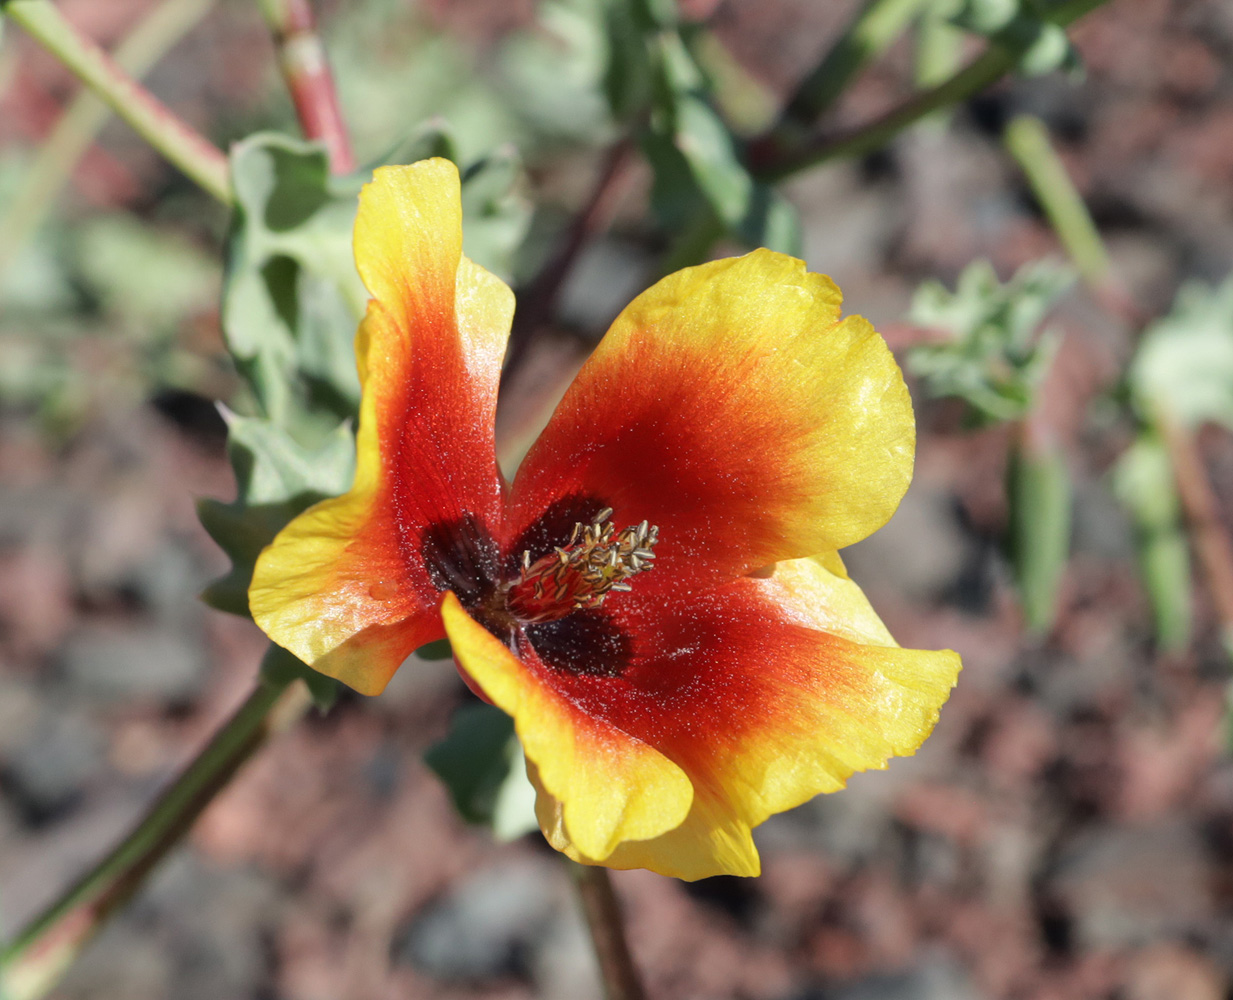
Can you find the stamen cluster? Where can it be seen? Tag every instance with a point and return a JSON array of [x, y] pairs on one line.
[[598, 559]]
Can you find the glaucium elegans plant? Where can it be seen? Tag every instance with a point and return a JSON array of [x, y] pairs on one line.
[[656, 599]]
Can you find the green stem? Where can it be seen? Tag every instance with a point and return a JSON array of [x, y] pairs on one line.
[[33, 962], [602, 910], [776, 155], [85, 117], [1027, 140], [1040, 494], [877, 25], [149, 117], [306, 71]]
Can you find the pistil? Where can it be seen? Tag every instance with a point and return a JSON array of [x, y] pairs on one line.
[[597, 560]]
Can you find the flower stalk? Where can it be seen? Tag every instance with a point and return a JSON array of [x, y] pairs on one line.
[[187, 149], [602, 911], [35, 960], [306, 70]]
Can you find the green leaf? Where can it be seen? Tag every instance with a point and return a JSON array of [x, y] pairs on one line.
[[657, 13], [697, 160], [271, 467], [495, 213], [986, 17], [1038, 486], [939, 44], [481, 763], [1048, 50], [276, 479], [555, 74], [627, 67], [282, 668], [995, 357], [1185, 360], [148, 277], [1143, 482], [292, 297], [1021, 25], [439, 650], [434, 137]]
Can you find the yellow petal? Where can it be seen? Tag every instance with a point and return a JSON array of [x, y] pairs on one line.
[[732, 407], [765, 692], [346, 586], [614, 787], [711, 841]]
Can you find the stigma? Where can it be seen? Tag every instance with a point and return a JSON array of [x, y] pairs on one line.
[[597, 560]]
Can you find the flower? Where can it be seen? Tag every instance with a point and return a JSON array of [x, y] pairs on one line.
[[657, 598]]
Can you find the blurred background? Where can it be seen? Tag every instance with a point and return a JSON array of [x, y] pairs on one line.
[[1066, 833]]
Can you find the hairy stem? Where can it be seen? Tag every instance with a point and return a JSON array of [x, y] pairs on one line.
[[306, 70], [33, 962], [200, 160], [602, 910], [85, 117]]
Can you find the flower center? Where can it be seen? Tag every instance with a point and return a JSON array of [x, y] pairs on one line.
[[597, 560]]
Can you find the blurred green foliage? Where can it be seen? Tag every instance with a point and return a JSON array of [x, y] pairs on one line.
[[1184, 362], [993, 353], [95, 310], [1039, 495], [1182, 372], [1020, 24], [481, 763], [697, 163], [1143, 483]]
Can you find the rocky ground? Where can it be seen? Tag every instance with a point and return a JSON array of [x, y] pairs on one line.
[[1066, 834]]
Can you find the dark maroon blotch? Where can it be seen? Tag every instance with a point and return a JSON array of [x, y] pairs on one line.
[[587, 641], [461, 556]]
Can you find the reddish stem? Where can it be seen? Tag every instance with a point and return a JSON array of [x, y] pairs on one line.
[[306, 70], [1208, 533], [539, 301]]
